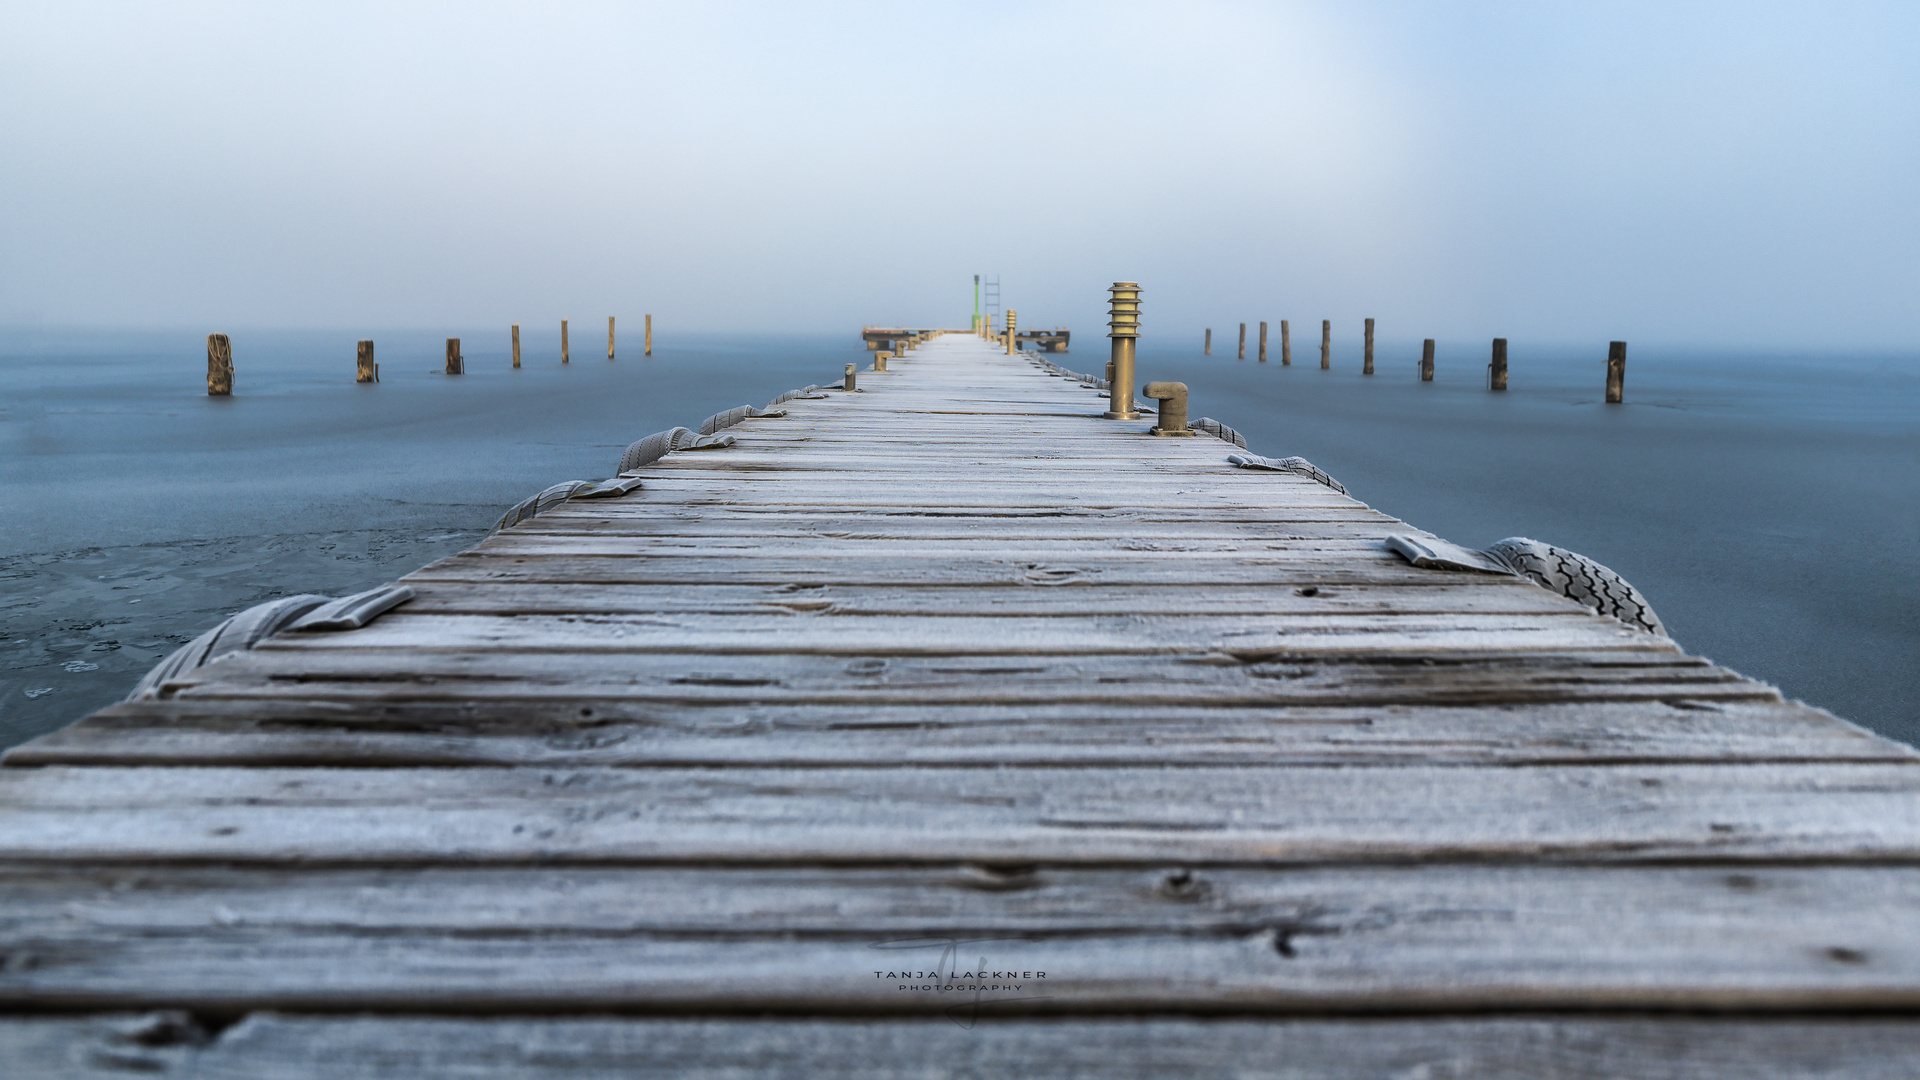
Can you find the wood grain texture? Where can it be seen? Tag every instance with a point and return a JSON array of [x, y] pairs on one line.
[[1431, 597], [1404, 939], [640, 733], [794, 632], [827, 567], [885, 813], [1255, 677], [965, 1040]]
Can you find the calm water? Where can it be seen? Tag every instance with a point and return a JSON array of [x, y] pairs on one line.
[[1768, 506]]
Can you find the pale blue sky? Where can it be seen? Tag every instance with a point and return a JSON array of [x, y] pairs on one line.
[[1711, 173]]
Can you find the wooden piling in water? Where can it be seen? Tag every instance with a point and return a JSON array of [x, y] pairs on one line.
[[1426, 361], [1243, 341], [1207, 349], [456, 365], [1497, 367], [1326, 344], [609, 337], [1616, 372], [563, 341], [1263, 343], [516, 344], [1286, 345], [219, 365], [649, 348], [363, 363], [1366, 365]]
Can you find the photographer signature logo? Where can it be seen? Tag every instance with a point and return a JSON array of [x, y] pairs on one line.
[[984, 986]]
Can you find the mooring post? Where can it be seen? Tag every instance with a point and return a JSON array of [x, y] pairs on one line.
[[516, 344], [1326, 344], [219, 365], [363, 363], [1497, 367], [1207, 349], [1173, 407], [649, 343], [880, 360], [1123, 314], [1426, 361], [1616, 372], [1243, 342], [1286, 345], [1263, 342], [849, 385], [563, 341], [1013, 320], [1366, 364], [456, 365], [609, 337]]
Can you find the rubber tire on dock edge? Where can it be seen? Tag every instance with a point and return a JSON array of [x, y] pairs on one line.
[[1574, 575]]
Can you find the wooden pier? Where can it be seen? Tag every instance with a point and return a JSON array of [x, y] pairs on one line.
[[1053, 341], [889, 339], [946, 728]]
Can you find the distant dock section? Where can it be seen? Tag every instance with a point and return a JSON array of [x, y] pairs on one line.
[[893, 339], [896, 339], [1054, 340]]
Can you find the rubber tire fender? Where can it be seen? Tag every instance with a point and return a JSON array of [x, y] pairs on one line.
[[1574, 575]]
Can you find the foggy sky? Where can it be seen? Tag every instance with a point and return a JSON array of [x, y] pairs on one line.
[[1732, 174]]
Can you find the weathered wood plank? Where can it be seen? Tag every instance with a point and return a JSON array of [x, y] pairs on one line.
[[636, 521], [1235, 486], [1249, 678], [828, 568], [667, 512], [967, 1039], [214, 731], [1441, 595], [1823, 811], [1408, 939], [1009, 471], [1169, 554], [802, 633]]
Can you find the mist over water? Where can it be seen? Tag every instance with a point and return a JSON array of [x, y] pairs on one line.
[[1768, 505]]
